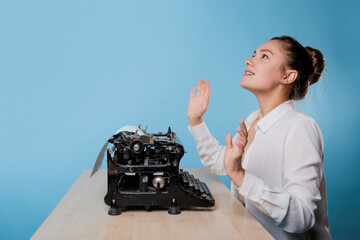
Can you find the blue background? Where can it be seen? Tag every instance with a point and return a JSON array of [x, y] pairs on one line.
[[73, 72]]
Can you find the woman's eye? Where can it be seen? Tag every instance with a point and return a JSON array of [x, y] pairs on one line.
[[265, 56]]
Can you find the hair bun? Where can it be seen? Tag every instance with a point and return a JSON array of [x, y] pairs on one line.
[[318, 63]]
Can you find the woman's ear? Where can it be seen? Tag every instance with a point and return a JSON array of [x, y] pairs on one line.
[[289, 77]]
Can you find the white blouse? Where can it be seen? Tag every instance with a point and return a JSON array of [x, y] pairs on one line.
[[284, 184]]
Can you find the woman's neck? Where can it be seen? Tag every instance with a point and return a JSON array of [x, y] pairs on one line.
[[268, 103]]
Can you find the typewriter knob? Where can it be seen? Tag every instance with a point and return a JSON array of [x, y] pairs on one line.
[[137, 147], [159, 180]]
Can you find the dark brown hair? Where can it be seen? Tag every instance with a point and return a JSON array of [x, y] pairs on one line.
[[308, 62]]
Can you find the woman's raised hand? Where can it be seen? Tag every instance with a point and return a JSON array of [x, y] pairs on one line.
[[233, 154], [198, 104]]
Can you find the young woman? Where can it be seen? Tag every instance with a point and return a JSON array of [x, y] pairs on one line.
[[275, 161]]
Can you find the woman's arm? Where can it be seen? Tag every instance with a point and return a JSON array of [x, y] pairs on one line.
[[221, 160], [209, 149], [293, 205], [211, 153]]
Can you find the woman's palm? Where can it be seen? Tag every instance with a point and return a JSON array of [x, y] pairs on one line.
[[198, 104]]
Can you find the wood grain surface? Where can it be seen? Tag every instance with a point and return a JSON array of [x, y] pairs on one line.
[[82, 214]]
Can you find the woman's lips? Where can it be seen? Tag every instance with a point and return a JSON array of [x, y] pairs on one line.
[[249, 73]]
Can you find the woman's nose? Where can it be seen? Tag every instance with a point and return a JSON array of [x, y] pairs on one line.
[[248, 62]]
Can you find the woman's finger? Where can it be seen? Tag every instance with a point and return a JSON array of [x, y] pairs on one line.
[[241, 138], [243, 127], [228, 140], [192, 92], [243, 142], [207, 90], [203, 87], [239, 147], [239, 144], [199, 88], [241, 133]]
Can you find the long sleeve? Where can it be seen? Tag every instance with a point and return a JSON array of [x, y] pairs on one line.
[[211, 153], [292, 206]]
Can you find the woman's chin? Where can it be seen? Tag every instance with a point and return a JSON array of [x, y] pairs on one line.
[[244, 84]]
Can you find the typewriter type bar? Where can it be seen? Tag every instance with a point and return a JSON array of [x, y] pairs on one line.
[[143, 170]]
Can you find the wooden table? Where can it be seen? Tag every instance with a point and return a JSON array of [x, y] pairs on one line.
[[82, 214]]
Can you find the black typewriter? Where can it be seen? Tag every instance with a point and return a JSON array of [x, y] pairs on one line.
[[143, 171]]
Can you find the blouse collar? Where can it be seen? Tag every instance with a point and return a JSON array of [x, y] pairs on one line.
[[272, 117]]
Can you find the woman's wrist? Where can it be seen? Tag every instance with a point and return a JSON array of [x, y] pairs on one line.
[[237, 177], [195, 121]]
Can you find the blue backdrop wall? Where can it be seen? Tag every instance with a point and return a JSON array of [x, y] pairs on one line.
[[73, 72]]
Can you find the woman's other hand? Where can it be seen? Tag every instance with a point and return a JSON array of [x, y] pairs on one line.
[[233, 154], [198, 104]]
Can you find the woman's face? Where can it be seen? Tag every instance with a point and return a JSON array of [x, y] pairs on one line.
[[264, 70]]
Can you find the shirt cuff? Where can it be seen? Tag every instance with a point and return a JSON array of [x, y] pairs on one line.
[[252, 187], [199, 131]]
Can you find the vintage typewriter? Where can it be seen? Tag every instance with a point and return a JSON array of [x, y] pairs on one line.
[[143, 171]]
